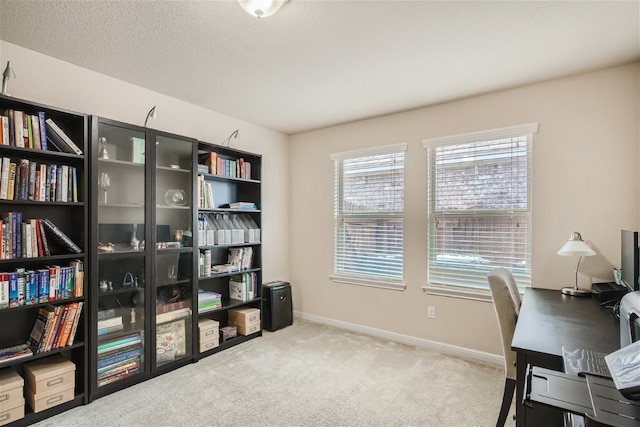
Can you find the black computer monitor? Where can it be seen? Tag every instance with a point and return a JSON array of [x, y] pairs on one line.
[[630, 259]]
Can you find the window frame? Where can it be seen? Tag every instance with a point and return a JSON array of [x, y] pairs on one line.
[[338, 176], [524, 130]]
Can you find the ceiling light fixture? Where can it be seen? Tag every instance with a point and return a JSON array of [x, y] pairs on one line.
[[261, 8]]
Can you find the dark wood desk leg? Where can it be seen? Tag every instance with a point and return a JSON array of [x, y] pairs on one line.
[[521, 371]]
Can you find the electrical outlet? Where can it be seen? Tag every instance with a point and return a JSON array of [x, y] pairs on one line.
[[431, 312]]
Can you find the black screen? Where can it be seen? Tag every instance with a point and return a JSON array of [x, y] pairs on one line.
[[629, 259]]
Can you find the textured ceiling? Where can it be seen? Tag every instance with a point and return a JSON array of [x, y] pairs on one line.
[[320, 63]]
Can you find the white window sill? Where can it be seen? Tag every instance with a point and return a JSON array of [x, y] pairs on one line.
[[396, 286], [458, 292]]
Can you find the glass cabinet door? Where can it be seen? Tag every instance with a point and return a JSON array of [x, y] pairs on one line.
[[173, 180], [119, 269]]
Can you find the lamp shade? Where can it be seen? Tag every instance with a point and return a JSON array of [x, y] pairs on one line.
[[575, 246], [261, 8]]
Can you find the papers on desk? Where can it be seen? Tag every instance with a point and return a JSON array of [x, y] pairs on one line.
[[624, 365]]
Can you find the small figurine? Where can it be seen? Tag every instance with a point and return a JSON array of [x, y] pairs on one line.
[[103, 148]]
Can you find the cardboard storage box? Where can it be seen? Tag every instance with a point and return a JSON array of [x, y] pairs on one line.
[[208, 334], [244, 316], [11, 389], [207, 328], [208, 345], [50, 373], [13, 414], [11, 396], [50, 397], [248, 329], [247, 320]]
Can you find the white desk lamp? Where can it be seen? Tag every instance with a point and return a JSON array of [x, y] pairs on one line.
[[575, 246]]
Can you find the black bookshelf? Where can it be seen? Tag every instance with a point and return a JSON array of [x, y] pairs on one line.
[[228, 181], [37, 201]]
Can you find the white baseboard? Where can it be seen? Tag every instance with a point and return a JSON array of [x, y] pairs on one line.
[[466, 353]]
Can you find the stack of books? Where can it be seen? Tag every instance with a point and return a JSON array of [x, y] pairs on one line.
[[183, 309], [110, 324], [241, 205], [16, 352], [119, 358], [208, 301], [224, 268]]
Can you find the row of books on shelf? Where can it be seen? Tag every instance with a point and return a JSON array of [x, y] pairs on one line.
[[36, 131], [30, 238], [241, 257], [243, 287], [119, 358], [205, 194], [208, 300], [28, 180], [53, 283], [238, 259], [227, 229], [232, 168], [55, 326]]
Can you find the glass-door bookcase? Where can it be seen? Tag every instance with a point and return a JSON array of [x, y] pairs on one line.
[[120, 275], [173, 284]]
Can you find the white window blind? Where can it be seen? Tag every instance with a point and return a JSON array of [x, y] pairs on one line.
[[479, 207], [369, 216]]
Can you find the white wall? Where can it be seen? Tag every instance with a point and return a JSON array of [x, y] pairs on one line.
[[52, 82], [585, 178]]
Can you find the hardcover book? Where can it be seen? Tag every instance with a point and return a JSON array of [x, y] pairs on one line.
[[4, 290], [6, 140], [11, 181], [76, 321], [60, 236], [171, 341], [61, 139], [4, 177], [35, 126], [43, 130], [37, 336]]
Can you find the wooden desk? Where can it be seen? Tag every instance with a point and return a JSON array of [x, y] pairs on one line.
[[547, 321]]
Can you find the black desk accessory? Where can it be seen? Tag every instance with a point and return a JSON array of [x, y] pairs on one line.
[[608, 292]]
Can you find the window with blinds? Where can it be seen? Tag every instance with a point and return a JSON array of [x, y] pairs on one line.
[[479, 208], [368, 216]]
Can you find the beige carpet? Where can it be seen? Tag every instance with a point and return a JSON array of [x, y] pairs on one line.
[[307, 375]]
